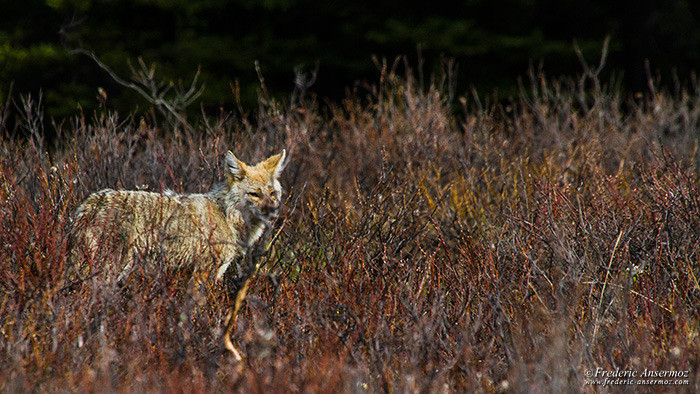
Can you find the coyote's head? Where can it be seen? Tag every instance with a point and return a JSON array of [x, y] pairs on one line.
[[254, 191]]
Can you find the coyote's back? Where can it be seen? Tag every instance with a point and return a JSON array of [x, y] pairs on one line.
[[121, 226], [202, 232]]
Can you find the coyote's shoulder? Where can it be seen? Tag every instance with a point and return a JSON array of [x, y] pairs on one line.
[[209, 230]]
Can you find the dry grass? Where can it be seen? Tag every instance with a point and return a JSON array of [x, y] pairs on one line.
[[511, 246]]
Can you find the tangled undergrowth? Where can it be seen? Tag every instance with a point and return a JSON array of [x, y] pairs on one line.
[[506, 246]]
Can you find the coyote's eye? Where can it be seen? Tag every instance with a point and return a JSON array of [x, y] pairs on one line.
[[255, 194]]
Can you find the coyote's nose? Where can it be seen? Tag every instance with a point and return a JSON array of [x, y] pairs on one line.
[[268, 206]]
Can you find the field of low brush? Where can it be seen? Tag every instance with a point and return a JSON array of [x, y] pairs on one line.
[[424, 245]]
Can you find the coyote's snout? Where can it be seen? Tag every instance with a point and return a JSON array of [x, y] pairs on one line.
[[212, 231]]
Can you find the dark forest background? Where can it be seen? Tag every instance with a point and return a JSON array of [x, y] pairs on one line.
[[493, 43]]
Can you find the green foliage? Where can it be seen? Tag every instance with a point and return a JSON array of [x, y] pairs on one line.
[[35, 57], [70, 5], [493, 43], [30, 67]]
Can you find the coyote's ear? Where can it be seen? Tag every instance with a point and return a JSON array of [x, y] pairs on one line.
[[235, 169], [276, 163]]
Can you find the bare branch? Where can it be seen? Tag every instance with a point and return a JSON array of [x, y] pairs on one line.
[[173, 108]]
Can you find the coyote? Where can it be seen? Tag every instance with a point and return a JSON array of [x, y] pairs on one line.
[[212, 231]]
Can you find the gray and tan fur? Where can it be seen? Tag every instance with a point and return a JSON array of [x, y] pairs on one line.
[[211, 231]]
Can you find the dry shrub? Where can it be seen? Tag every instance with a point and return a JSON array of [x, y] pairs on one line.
[[514, 246]]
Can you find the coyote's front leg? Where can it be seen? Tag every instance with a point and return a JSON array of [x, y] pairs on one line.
[[239, 293]]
